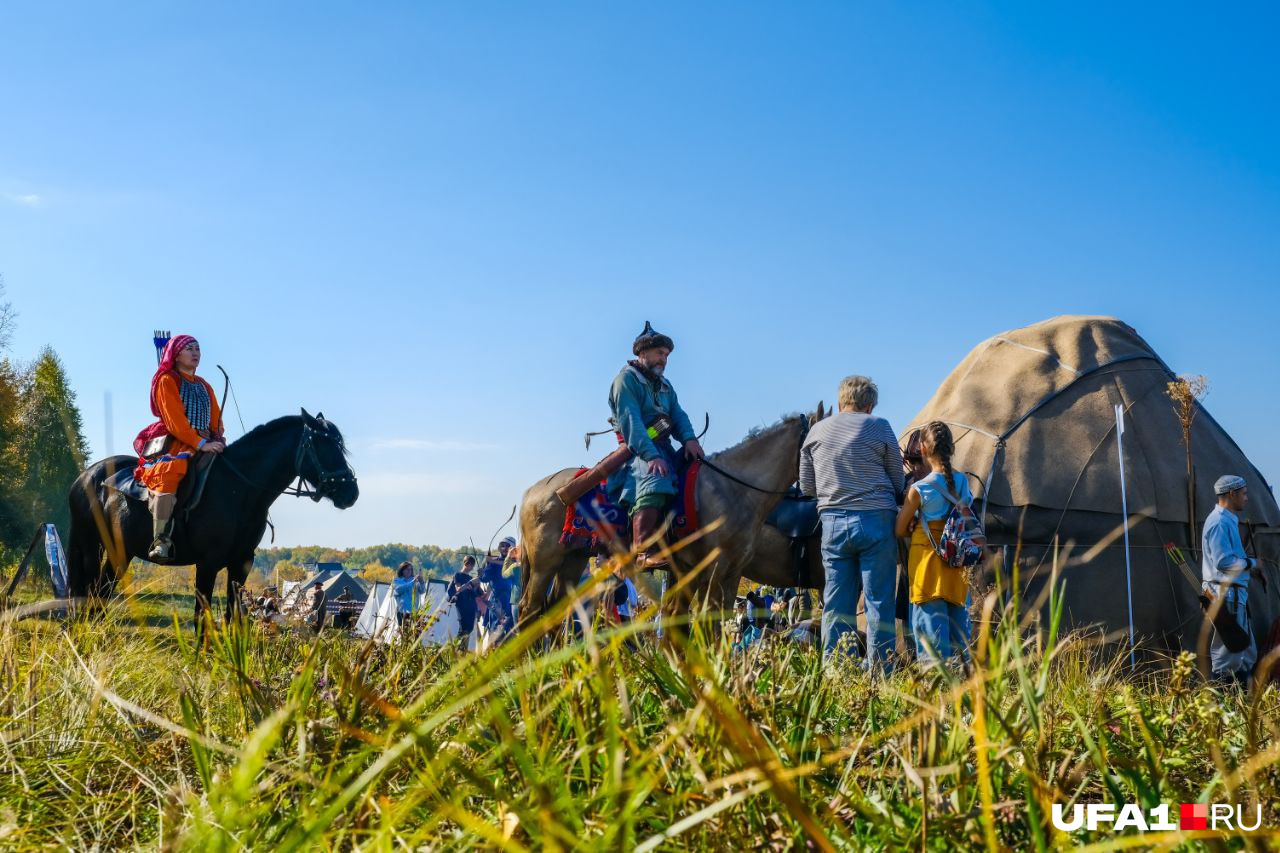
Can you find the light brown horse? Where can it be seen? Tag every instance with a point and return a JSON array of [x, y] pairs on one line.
[[767, 459]]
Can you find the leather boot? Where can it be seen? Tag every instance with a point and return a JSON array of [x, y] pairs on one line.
[[161, 516], [644, 527]]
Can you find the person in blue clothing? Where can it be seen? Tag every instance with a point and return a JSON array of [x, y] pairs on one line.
[[498, 615], [641, 395], [404, 588]]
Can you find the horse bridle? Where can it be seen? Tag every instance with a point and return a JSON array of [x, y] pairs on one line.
[[324, 479], [306, 452], [786, 493]]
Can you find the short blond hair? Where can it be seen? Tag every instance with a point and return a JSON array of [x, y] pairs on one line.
[[859, 393]]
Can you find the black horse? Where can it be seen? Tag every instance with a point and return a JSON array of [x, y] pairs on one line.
[[108, 529]]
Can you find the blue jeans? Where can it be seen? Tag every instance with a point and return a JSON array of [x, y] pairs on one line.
[[859, 553], [941, 629]]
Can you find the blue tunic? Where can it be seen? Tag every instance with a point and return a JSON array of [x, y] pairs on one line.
[[636, 401]]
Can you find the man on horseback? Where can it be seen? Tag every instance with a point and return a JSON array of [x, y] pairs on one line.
[[646, 414], [190, 423]]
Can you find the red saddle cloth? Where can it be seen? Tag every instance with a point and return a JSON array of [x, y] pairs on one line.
[[595, 519]]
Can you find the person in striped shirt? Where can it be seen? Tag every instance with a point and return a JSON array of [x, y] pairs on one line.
[[852, 464]]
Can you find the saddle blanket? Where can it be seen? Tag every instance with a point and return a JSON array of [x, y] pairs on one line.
[[595, 519], [189, 492]]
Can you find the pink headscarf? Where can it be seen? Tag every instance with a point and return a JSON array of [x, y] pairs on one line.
[[168, 364]]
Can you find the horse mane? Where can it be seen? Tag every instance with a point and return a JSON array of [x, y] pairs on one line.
[[267, 430], [270, 428], [759, 431]]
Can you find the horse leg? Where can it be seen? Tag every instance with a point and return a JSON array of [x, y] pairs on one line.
[[237, 574], [206, 576], [90, 574], [84, 563], [568, 577], [539, 572]]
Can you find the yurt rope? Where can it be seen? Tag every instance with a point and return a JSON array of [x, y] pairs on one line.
[[1089, 459]]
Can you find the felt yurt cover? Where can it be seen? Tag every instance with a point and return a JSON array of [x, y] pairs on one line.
[[1033, 414]]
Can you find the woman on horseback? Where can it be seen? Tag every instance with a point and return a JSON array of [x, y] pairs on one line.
[[190, 423]]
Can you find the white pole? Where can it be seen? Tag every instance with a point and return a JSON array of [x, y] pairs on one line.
[[1124, 508]]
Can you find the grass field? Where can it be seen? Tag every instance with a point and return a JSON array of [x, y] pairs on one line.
[[120, 732]]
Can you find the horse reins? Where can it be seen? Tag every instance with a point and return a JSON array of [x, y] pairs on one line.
[[306, 448], [785, 493]]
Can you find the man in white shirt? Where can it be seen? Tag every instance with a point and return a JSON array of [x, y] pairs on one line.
[[1225, 570]]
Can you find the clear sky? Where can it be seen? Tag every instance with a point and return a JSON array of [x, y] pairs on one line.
[[443, 224]]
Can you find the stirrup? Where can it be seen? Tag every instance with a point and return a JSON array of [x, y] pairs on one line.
[[161, 549], [652, 561]]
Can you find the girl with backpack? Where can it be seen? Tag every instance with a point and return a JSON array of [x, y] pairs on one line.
[[938, 517]]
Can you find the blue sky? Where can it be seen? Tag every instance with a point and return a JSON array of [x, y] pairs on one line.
[[443, 224]]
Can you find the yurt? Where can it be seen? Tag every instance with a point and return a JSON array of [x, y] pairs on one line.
[[1033, 412]]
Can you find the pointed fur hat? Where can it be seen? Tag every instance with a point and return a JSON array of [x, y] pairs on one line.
[[650, 338]]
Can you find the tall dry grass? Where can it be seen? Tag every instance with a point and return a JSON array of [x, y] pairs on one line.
[[121, 732]]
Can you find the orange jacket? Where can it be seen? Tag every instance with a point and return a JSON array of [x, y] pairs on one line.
[[174, 414]]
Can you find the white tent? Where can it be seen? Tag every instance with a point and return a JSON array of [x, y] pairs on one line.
[[442, 626], [380, 618], [289, 593]]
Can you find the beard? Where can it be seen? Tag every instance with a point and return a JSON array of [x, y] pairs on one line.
[[655, 369]]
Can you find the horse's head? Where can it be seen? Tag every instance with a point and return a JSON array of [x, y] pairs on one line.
[[322, 461], [804, 421]]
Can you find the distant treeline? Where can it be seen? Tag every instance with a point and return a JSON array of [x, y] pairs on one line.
[[42, 444], [375, 562]]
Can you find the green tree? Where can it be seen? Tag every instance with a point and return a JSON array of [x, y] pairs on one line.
[[287, 571], [10, 383], [12, 511], [50, 441], [374, 572], [8, 319]]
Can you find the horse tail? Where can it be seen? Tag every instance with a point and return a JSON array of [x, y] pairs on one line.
[[81, 546], [86, 553]]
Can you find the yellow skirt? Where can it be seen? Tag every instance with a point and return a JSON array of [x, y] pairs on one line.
[[931, 578]]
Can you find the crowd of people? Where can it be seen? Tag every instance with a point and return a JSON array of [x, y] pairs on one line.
[[485, 600], [897, 529], [788, 612]]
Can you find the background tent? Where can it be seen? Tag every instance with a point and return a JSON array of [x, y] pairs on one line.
[[333, 581], [443, 624], [1033, 414], [379, 620]]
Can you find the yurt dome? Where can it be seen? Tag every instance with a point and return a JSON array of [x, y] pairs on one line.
[[1033, 414]]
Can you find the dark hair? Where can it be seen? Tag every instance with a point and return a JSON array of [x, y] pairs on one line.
[[911, 452], [936, 440], [468, 559]]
